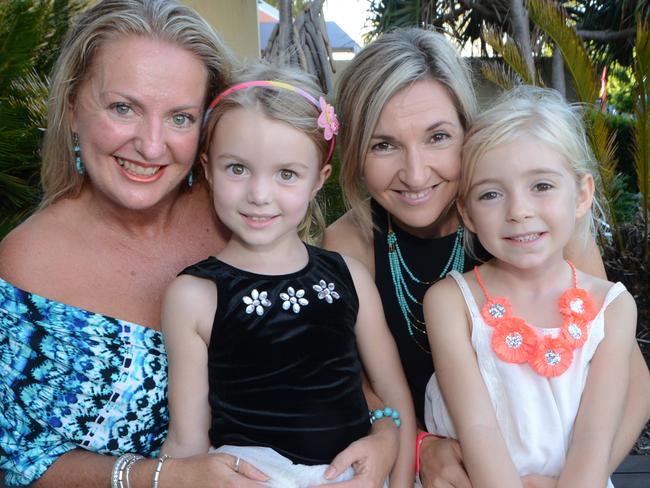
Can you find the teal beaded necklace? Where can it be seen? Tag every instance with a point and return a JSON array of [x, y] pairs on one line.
[[399, 270]]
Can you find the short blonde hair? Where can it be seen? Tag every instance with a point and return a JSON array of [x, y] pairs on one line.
[[285, 106], [542, 114], [165, 20], [388, 65]]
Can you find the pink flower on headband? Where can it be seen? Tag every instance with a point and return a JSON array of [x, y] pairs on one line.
[[327, 119]]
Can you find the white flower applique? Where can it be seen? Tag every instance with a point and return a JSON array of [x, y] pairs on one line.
[[326, 291], [256, 302], [293, 299]]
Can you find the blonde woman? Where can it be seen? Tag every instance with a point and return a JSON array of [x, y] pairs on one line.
[[405, 103]]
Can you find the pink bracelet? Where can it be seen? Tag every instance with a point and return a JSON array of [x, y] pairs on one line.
[[418, 444]]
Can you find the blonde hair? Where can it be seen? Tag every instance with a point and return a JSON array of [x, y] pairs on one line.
[[535, 112], [285, 106], [388, 65], [164, 20]]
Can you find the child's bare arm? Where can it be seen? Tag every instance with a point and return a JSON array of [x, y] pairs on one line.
[[464, 391], [187, 312], [603, 400], [382, 364]]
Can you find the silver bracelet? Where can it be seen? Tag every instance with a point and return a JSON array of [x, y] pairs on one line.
[[117, 474], [127, 469], [156, 473]]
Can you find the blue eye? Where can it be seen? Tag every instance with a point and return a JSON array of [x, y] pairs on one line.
[[121, 108], [182, 120], [440, 137]]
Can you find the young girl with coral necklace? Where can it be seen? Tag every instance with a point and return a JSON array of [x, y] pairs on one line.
[[265, 339], [531, 355]]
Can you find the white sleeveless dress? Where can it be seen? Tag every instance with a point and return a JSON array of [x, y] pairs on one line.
[[535, 413]]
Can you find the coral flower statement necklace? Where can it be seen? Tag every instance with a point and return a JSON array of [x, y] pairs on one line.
[[515, 341]]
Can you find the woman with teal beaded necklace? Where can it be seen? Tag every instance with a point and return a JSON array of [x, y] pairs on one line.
[[404, 104]]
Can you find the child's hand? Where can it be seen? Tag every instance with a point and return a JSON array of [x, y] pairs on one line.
[[372, 457], [538, 481], [441, 464]]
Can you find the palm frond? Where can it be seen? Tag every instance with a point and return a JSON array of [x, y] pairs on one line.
[[552, 20], [500, 74], [506, 47]]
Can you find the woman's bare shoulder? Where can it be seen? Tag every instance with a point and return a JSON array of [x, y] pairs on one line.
[[346, 237]]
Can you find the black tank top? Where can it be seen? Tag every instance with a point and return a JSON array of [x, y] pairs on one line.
[[426, 258], [283, 366]]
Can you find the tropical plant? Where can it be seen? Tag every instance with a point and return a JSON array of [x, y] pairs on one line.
[[30, 33]]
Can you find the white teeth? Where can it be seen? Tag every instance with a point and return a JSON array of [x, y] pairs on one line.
[[258, 219], [413, 195], [526, 238], [138, 170]]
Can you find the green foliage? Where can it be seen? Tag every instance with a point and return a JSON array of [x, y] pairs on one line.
[[642, 122], [506, 47], [620, 80], [330, 197], [30, 33]]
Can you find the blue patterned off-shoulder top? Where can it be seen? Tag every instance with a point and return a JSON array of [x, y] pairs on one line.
[[71, 378]]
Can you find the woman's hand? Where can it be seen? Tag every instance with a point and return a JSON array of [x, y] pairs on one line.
[[209, 470], [538, 481], [441, 464], [372, 457]]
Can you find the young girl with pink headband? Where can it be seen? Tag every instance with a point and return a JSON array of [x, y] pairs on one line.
[[532, 355], [267, 340]]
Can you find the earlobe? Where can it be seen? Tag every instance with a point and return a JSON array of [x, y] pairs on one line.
[[467, 222], [586, 188], [325, 173], [206, 170]]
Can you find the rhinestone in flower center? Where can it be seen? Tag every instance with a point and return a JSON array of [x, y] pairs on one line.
[[574, 331], [552, 357], [514, 340], [497, 310], [577, 305]]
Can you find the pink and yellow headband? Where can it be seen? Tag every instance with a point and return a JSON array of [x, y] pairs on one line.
[[326, 120]]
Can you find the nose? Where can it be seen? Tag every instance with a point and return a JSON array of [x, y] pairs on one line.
[[519, 207], [150, 141], [414, 173], [259, 191]]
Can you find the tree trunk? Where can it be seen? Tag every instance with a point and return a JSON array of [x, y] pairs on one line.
[[285, 31], [521, 32], [558, 80]]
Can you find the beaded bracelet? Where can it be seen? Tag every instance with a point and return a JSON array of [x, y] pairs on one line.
[[156, 473], [387, 412]]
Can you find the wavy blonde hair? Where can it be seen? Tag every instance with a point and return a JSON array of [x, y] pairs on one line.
[[164, 20], [540, 113], [388, 65], [285, 106]]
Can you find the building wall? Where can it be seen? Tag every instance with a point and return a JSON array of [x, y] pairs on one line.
[[235, 21]]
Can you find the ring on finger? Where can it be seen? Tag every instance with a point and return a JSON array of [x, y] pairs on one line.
[[237, 461]]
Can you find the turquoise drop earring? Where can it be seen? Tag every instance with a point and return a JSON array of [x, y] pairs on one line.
[[190, 179], [78, 164]]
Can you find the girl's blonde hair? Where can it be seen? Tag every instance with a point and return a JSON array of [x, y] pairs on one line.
[[540, 113], [164, 20], [388, 65], [285, 106]]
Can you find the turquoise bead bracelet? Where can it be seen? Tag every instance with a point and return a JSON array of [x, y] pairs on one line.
[[387, 412]]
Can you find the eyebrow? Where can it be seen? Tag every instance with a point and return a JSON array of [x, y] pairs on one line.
[[282, 165], [432, 127], [138, 103], [533, 172]]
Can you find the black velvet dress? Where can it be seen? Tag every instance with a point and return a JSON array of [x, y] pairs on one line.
[[284, 370], [426, 258]]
